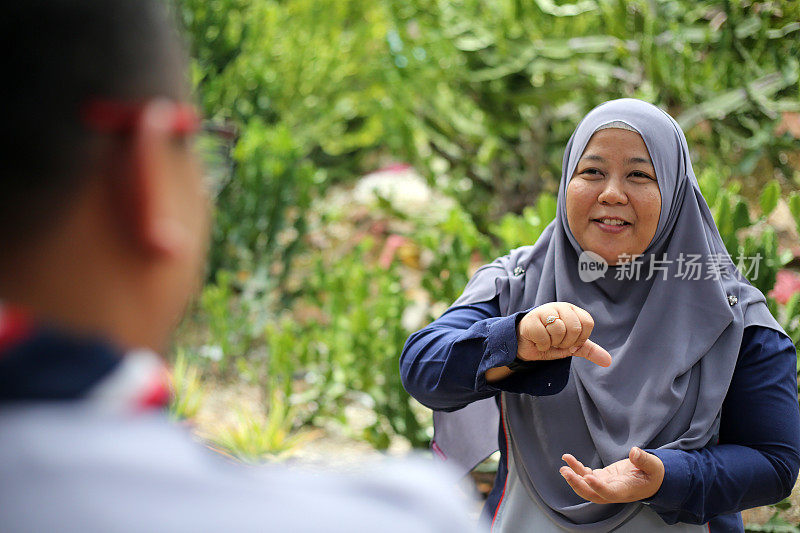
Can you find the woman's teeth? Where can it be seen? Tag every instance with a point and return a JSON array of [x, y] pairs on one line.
[[612, 221]]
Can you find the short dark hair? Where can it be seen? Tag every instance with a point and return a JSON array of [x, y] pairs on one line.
[[60, 54]]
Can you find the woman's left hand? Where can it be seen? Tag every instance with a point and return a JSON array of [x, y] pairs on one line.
[[629, 480]]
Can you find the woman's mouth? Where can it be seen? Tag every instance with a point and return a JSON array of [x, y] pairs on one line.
[[611, 224]]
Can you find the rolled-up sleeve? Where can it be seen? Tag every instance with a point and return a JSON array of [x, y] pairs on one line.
[[444, 364]]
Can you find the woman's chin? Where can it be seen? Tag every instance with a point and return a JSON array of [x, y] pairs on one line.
[[614, 258]]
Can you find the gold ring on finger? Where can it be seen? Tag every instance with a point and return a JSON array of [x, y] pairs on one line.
[[550, 319]]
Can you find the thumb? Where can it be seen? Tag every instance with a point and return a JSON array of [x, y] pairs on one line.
[[594, 353], [646, 462]]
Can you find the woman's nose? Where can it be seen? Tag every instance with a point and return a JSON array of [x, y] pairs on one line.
[[612, 193]]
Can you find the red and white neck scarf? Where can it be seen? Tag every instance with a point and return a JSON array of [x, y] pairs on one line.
[[43, 363]]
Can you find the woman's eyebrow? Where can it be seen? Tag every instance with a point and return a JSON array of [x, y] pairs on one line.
[[628, 160], [639, 160]]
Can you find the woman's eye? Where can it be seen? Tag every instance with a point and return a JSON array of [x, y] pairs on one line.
[[593, 172], [641, 175]]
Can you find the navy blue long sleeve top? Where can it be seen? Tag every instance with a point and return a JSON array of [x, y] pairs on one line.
[[754, 463]]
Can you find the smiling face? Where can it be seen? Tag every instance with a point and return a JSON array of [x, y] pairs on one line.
[[613, 200]]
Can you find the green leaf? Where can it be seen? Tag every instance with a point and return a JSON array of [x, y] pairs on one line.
[[741, 216], [566, 10], [794, 207], [769, 198], [710, 185], [785, 257], [546, 206], [724, 220], [792, 310]]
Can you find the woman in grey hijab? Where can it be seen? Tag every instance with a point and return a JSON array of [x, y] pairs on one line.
[[625, 339]]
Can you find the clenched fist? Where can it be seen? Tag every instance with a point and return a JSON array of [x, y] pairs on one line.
[[554, 331], [557, 330]]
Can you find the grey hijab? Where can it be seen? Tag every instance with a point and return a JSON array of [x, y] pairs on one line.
[[674, 342]]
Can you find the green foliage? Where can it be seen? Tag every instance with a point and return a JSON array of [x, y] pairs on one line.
[[513, 78], [253, 440], [308, 82], [515, 231], [251, 231], [451, 245], [482, 97], [187, 389], [791, 322], [227, 321], [751, 243], [359, 342], [794, 208], [769, 198]]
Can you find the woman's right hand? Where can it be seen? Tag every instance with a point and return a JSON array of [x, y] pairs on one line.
[[553, 331], [557, 330]]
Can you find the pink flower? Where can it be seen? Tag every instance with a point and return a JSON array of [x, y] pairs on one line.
[[393, 242], [787, 283]]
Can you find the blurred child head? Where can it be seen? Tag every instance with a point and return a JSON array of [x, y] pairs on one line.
[[103, 214]]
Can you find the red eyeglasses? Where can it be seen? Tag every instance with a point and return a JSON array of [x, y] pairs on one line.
[[108, 116], [214, 141]]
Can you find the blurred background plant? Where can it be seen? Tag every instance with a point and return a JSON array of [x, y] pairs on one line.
[[253, 438], [187, 389], [327, 253]]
